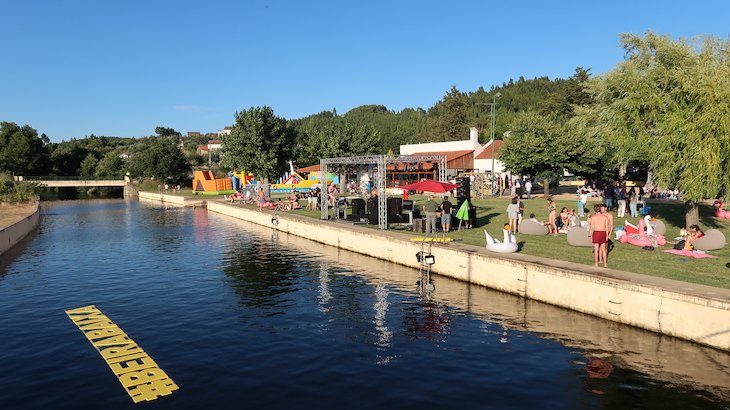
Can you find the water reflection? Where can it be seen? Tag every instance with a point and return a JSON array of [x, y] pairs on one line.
[[616, 360]]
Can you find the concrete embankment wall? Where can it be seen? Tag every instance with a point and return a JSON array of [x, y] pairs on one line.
[[15, 233], [172, 199], [602, 293]]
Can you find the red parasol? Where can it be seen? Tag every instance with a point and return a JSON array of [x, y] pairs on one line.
[[429, 185]]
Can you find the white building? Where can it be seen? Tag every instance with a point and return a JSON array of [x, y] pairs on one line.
[[462, 156], [225, 131]]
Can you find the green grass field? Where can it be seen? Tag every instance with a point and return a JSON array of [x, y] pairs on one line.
[[492, 215]]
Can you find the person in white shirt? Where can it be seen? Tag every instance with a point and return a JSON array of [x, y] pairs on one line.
[[528, 188]]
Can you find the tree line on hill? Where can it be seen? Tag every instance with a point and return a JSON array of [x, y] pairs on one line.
[[667, 105]]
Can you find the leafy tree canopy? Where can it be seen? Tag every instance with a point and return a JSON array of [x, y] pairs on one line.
[[160, 158], [260, 142], [22, 151], [668, 103]]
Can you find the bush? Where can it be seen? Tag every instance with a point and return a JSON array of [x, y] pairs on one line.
[[11, 191]]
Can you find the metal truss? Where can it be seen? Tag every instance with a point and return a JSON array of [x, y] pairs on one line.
[[380, 161]]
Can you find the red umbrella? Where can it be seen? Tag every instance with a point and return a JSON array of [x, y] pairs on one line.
[[429, 185]]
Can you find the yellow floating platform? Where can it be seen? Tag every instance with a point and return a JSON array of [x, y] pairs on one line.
[[137, 372], [431, 239]]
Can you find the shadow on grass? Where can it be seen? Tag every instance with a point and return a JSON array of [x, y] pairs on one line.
[[485, 220], [674, 214]]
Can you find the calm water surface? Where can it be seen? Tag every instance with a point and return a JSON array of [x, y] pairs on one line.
[[242, 317]]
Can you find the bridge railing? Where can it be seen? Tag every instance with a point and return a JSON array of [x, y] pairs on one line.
[[69, 178]]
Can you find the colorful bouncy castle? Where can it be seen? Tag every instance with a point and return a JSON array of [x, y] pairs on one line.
[[205, 183]]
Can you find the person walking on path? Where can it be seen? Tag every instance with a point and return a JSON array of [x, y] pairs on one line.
[[528, 188], [430, 210]]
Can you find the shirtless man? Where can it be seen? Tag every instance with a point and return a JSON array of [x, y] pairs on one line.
[[604, 210], [598, 232]]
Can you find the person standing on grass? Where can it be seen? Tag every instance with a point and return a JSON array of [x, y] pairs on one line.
[[598, 232], [528, 188], [430, 209], [621, 198], [513, 211], [446, 208]]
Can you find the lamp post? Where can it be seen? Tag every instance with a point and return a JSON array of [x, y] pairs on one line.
[[494, 104]]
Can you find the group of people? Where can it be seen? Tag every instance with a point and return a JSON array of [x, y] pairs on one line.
[[616, 196], [519, 187], [432, 210]]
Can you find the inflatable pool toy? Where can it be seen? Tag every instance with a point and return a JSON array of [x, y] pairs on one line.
[[636, 236], [508, 245], [721, 213]]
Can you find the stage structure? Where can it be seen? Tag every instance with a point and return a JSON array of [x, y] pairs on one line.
[[380, 162]]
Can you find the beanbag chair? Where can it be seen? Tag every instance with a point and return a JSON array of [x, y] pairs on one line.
[[659, 227], [530, 227], [579, 237], [712, 240]]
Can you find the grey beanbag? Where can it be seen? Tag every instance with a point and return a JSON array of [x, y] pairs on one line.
[[579, 237], [659, 227], [713, 239], [530, 227]]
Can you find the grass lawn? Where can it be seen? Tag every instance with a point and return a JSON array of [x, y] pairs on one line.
[[492, 215]]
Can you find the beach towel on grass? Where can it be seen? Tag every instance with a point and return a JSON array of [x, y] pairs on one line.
[[691, 254]]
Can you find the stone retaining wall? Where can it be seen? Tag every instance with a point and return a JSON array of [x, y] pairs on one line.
[[703, 320], [14, 233], [172, 199]]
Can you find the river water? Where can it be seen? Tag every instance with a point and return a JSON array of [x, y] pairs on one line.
[[243, 317]]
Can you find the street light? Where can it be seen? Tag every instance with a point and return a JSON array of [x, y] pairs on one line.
[[494, 103]]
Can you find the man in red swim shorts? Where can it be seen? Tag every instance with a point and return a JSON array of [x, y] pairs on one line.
[[598, 232]]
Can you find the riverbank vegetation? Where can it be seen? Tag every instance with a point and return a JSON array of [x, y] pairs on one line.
[[15, 192]]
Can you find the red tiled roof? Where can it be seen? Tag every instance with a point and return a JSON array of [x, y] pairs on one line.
[[450, 155], [202, 147], [487, 152], [311, 168]]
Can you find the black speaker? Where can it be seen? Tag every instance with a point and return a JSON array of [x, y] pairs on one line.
[[463, 191], [358, 208], [395, 207], [407, 205], [373, 205]]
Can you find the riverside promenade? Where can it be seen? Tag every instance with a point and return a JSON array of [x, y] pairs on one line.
[[688, 311]]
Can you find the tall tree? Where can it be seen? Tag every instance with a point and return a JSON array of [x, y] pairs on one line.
[[111, 166], [166, 132], [669, 103], [22, 151], [260, 142], [337, 138], [160, 158], [450, 117], [534, 147]]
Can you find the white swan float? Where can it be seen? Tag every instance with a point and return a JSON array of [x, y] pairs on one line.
[[508, 245]]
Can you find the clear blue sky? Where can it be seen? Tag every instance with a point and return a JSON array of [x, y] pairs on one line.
[[121, 68]]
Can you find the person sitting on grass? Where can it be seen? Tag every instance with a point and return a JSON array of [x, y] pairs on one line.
[[694, 233], [294, 201]]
